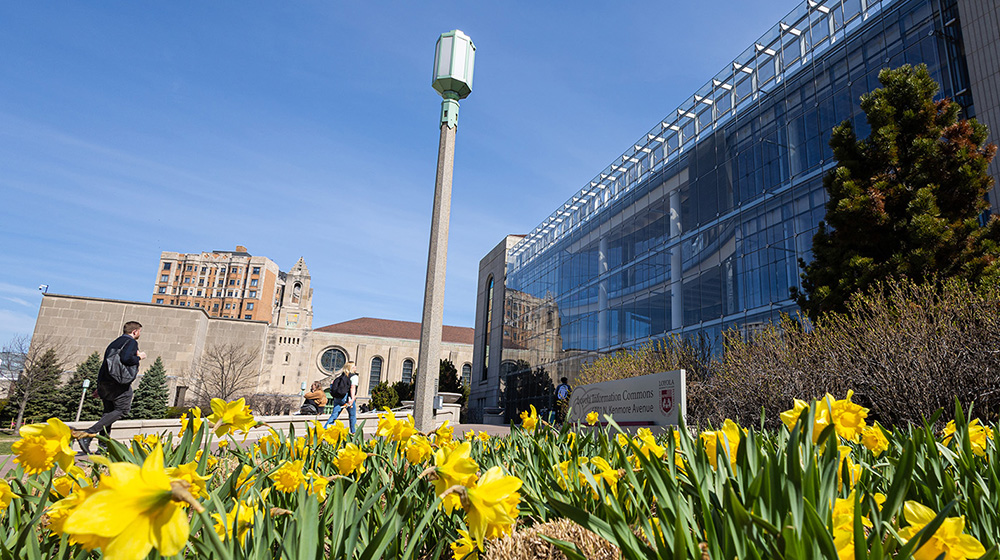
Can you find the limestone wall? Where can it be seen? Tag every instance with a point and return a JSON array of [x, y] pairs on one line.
[[79, 326], [181, 336]]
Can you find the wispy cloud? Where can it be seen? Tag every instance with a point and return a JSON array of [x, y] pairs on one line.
[[13, 323]]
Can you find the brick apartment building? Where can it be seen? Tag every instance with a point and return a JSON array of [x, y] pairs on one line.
[[227, 284]]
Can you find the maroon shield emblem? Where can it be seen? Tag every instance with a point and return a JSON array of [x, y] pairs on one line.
[[667, 400]]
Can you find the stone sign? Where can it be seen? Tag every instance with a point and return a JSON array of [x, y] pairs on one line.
[[649, 400]]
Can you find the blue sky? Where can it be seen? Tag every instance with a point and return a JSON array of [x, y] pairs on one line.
[[310, 129]]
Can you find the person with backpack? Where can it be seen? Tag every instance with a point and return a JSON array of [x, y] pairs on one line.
[[114, 381], [562, 399], [315, 400], [343, 391]]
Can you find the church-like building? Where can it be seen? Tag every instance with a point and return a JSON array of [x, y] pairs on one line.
[[285, 353]]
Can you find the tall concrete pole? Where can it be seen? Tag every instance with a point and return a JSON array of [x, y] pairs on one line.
[[428, 364]]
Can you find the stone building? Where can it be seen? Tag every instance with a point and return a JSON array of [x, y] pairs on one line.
[[288, 353]]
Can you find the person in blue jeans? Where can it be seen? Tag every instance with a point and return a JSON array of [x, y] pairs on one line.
[[347, 400]]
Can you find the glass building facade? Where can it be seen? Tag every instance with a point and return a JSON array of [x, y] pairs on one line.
[[698, 226]]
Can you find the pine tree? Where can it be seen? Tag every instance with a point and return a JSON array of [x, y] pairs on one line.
[[908, 201], [42, 397], [70, 394], [151, 396]]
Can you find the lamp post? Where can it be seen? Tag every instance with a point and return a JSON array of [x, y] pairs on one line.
[[453, 62], [79, 409]]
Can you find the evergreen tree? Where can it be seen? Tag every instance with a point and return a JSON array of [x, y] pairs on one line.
[[43, 399], [383, 396], [151, 396], [70, 394], [448, 380], [908, 201]]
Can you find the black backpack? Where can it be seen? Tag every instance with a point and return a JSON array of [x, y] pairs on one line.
[[118, 371], [340, 386]]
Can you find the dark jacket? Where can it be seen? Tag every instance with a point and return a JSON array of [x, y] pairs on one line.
[[129, 355]]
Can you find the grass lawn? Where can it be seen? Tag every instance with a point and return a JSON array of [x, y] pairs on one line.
[[6, 440]]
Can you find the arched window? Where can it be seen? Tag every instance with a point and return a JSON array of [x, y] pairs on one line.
[[296, 292], [407, 371], [467, 374], [486, 327], [332, 360], [375, 373], [287, 357]]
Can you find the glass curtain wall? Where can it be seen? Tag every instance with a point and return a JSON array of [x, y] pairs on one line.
[[699, 226]]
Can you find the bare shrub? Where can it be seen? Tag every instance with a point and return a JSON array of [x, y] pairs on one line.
[[227, 371], [905, 349]]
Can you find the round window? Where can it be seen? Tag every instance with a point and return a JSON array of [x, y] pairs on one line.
[[333, 360]]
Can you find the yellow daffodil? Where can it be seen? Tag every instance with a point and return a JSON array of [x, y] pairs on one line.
[[210, 462], [647, 445], [492, 505], [134, 508], [444, 433], [622, 440], [843, 526], [948, 540], [288, 477], [241, 517], [403, 429], [6, 495], [469, 435], [529, 419], [194, 422], [571, 439], [605, 473], [820, 421], [60, 511], [461, 548], [333, 435], [592, 417], [228, 417], [316, 485], [854, 470], [979, 435], [350, 458], [386, 423], [730, 437], [790, 417], [874, 439], [298, 448], [453, 467], [63, 486], [562, 474], [244, 482], [144, 441], [189, 472], [848, 418], [44, 445], [483, 437], [418, 449]]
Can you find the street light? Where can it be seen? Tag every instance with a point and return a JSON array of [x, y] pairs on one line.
[[79, 409], [454, 57]]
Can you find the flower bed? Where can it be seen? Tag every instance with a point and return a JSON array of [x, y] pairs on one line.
[[828, 485]]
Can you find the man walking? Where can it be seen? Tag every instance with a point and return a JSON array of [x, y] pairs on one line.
[[116, 394]]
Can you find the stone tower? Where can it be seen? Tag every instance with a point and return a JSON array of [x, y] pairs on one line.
[[296, 299]]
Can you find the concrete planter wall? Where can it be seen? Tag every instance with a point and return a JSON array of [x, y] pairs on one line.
[[123, 430]]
